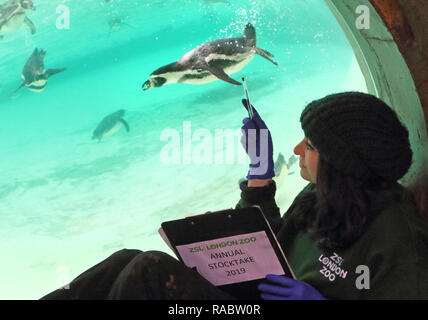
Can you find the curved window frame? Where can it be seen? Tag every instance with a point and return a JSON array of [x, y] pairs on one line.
[[386, 74]]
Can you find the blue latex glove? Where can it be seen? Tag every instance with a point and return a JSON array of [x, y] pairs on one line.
[[285, 288], [257, 142]]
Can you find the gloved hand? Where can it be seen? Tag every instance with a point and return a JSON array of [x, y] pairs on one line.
[[285, 288], [257, 142]]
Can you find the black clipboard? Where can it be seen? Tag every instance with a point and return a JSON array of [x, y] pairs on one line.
[[222, 224]]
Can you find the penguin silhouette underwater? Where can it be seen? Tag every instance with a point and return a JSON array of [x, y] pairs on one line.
[[34, 76], [211, 61], [110, 124], [13, 16]]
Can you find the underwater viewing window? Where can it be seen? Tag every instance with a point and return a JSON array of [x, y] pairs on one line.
[[103, 137]]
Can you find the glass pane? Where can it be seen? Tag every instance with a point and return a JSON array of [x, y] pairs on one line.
[[68, 201]]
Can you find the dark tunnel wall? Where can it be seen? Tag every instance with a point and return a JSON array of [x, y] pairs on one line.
[[407, 20]]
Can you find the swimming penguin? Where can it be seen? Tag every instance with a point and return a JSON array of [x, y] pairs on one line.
[[116, 23], [279, 164], [34, 76], [292, 160], [13, 15], [282, 168], [110, 124], [211, 61]]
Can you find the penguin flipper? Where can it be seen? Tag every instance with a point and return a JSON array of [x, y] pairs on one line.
[[125, 124], [221, 75], [30, 25], [51, 72], [12, 95], [265, 54]]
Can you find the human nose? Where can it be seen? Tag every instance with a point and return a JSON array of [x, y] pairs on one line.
[[298, 149]]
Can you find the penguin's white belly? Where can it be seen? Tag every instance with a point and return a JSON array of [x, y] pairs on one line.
[[14, 23], [114, 129], [38, 85], [243, 59]]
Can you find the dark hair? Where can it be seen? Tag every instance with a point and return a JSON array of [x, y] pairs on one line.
[[338, 212]]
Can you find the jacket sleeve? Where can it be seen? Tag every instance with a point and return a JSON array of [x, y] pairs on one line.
[[263, 197]]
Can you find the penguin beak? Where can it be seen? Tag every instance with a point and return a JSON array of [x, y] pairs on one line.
[[147, 85]]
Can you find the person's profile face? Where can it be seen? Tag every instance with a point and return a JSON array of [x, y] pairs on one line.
[[308, 161]]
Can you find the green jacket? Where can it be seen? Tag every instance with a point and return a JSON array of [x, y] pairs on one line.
[[389, 261]]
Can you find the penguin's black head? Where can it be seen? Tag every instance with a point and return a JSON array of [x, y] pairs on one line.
[[27, 4], [154, 82], [121, 112]]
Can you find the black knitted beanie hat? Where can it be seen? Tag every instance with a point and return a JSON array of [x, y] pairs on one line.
[[359, 135]]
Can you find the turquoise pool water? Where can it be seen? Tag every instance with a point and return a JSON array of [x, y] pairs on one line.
[[66, 201]]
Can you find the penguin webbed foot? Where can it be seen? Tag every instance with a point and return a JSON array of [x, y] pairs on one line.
[[266, 54]]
